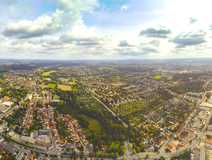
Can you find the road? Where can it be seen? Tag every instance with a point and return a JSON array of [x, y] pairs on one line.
[[105, 106], [129, 155]]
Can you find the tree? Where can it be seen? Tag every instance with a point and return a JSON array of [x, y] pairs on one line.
[[162, 158], [68, 149], [106, 155], [142, 145], [37, 153], [147, 155], [91, 154], [101, 154], [112, 155], [140, 159], [82, 154], [74, 153], [2, 158], [123, 152], [134, 151], [116, 155], [97, 154]]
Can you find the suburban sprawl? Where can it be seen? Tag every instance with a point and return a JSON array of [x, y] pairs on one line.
[[126, 110]]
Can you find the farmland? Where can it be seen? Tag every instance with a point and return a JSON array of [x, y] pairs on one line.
[[52, 85], [40, 70], [48, 73], [64, 87], [48, 79], [44, 86], [72, 83], [156, 77], [112, 69]]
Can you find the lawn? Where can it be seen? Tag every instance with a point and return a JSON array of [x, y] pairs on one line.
[[64, 87], [72, 82], [156, 77], [1, 80], [40, 70], [48, 79], [94, 126], [48, 73], [112, 69], [51, 85]]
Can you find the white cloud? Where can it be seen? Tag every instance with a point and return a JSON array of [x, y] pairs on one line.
[[125, 7], [44, 25]]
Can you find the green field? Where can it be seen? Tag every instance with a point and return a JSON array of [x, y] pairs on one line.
[[48, 73], [112, 69], [94, 126], [156, 77], [1, 80], [40, 70], [52, 85]]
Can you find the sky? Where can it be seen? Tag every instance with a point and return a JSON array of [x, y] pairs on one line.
[[105, 29]]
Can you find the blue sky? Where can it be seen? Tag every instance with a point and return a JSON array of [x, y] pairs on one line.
[[105, 29]]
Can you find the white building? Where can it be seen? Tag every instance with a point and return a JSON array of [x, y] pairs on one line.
[[8, 103], [29, 96]]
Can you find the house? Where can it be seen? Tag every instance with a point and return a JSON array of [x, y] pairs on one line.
[[57, 138], [28, 125], [47, 126], [170, 147], [159, 143], [7, 156], [104, 148], [31, 156]]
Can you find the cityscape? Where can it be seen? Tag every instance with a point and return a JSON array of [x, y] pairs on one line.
[[105, 80], [133, 109]]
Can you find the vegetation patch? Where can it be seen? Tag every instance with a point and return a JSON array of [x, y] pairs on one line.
[[40, 70], [156, 77], [72, 83], [48, 73], [194, 87], [64, 87], [94, 126], [131, 110], [112, 69], [51, 85]]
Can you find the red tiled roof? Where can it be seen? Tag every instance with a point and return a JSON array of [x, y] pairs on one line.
[[169, 146]]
